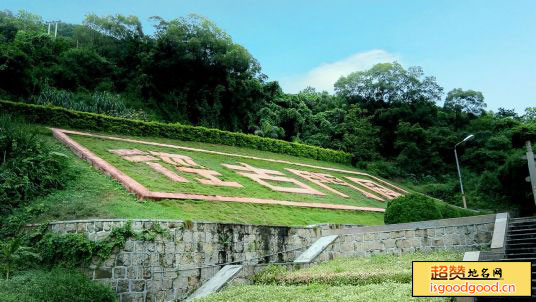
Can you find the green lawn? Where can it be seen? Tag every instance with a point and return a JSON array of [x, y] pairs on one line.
[[91, 194], [384, 292], [157, 182], [381, 278], [356, 271]]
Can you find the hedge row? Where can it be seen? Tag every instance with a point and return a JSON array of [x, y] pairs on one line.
[[61, 117]]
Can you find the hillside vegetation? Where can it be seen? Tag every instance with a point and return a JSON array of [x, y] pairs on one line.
[[88, 193], [395, 121]]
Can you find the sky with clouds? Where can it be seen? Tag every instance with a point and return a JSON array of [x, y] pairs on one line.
[[485, 45]]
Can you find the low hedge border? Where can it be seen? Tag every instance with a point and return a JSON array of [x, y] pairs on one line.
[[61, 117]]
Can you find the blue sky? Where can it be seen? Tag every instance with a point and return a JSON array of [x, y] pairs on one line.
[[488, 46]]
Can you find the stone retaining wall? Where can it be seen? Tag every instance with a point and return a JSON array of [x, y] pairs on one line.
[[171, 268], [458, 233]]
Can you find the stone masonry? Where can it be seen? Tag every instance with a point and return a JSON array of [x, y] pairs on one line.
[[171, 268]]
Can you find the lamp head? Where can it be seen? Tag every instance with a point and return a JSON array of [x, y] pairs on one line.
[[468, 138]]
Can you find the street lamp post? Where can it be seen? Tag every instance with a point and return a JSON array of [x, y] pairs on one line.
[[458, 166]]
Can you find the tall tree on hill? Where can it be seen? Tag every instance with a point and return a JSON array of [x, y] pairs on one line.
[[392, 94], [464, 104], [198, 75]]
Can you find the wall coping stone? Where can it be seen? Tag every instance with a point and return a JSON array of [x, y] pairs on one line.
[[429, 224], [334, 229], [499, 231], [311, 226]]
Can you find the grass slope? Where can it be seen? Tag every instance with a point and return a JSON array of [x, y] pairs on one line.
[[91, 194], [379, 278], [157, 182]]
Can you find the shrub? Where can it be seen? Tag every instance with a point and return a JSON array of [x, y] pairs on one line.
[[96, 102], [386, 169], [417, 207], [411, 207], [449, 211], [56, 285], [28, 166], [61, 117], [444, 191]]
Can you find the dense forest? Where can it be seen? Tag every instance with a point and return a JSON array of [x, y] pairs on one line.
[[396, 121]]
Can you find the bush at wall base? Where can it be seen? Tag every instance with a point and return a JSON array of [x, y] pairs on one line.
[[57, 285]]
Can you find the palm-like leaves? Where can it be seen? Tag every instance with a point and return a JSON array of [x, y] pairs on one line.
[[13, 253]]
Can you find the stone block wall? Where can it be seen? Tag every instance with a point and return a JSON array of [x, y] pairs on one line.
[[466, 233], [171, 268]]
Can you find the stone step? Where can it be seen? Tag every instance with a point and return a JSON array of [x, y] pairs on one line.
[[522, 230], [517, 250], [523, 219], [522, 224], [516, 240], [522, 235], [520, 255], [527, 259], [215, 283], [521, 244]]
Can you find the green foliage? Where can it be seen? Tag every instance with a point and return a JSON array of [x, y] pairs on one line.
[[387, 83], [190, 71], [444, 191], [97, 102], [386, 169], [417, 207], [360, 136], [357, 271], [523, 133], [411, 208], [415, 144], [468, 101], [13, 254], [75, 250], [56, 285], [530, 115], [55, 116], [28, 166], [95, 195]]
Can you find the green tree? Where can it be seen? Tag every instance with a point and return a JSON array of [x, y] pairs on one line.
[[414, 144], [530, 115], [387, 84], [392, 94], [13, 253], [360, 136], [83, 68], [197, 75], [468, 101]]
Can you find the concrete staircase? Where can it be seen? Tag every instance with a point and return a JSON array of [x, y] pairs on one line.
[[520, 245]]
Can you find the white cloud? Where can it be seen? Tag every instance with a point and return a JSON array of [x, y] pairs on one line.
[[325, 75]]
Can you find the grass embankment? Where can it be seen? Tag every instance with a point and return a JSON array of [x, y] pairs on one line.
[[91, 194], [381, 278], [157, 182]]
